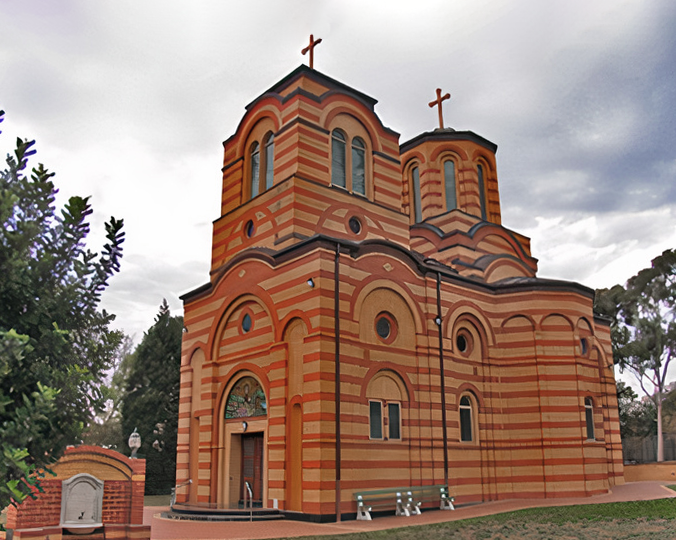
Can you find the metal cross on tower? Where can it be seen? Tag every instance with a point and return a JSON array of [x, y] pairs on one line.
[[311, 48], [437, 102]]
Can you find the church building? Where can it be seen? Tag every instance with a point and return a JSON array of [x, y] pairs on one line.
[[369, 323]]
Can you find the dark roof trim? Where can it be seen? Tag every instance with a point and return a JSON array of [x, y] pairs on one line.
[[448, 135], [237, 160], [385, 156], [335, 87], [411, 258], [319, 77], [471, 233]]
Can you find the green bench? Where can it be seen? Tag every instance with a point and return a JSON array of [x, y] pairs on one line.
[[406, 501]]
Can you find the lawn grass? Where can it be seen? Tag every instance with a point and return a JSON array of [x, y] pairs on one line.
[[639, 520], [156, 500]]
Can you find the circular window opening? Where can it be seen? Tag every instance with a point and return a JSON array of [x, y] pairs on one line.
[[249, 229], [383, 328], [355, 225], [462, 343], [584, 346], [247, 323]]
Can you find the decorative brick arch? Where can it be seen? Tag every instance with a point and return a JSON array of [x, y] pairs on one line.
[[219, 326], [465, 310], [270, 111], [389, 369], [338, 105], [244, 369], [450, 150], [377, 283]]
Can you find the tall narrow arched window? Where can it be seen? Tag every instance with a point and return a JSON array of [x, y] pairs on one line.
[[338, 141], [482, 191], [255, 169], [415, 195], [449, 185], [589, 417], [269, 160], [466, 420], [358, 166]]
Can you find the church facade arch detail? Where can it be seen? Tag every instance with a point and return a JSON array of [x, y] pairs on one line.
[[334, 324]]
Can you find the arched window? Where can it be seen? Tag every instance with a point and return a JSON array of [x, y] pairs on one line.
[[589, 417], [358, 166], [465, 409], [482, 191], [261, 165], [385, 393], [450, 185], [348, 162], [415, 195], [255, 168], [269, 160], [338, 141]]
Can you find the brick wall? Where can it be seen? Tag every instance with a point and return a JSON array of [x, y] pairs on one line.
[[122, 506]]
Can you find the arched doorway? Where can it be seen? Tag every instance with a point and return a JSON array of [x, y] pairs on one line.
[[245, 418]]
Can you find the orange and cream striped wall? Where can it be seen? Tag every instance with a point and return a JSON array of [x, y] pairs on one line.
[[439, 319]]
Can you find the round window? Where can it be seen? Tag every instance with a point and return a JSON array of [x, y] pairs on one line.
[[386, 328], [249, 229], [383, 328], [247, 323], [462, 343], [355, 225]]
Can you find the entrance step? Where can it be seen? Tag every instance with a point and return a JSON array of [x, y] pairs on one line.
[[195, 513]]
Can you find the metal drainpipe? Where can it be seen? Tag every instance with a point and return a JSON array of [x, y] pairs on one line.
[[443, 384], [336, 319]]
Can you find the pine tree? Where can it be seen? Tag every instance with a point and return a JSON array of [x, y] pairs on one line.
[[150, 403]]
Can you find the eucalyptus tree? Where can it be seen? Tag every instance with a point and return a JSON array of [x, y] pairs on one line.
[[643, 330]]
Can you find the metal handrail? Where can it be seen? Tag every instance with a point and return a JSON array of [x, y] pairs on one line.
[[248, 488], [172, 501]]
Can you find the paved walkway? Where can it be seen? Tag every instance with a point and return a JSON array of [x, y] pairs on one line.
[[163, 529]]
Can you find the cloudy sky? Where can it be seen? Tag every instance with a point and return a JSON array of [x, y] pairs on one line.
[[129, 102]]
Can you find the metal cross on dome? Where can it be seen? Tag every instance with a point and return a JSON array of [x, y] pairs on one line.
[[311, 48], [437, 102]]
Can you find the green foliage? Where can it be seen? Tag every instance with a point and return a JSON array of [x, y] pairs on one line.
[[19, 474], [643, 329], [52, 334], [638, 417], [105, 429], [150, 403], [644, 320]]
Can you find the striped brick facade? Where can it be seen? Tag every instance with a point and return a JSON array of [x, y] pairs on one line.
[[457, 290]]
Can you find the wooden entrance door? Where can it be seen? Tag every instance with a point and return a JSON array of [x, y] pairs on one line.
[[252, 466]]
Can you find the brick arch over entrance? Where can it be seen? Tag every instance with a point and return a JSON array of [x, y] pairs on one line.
[[243, 437]]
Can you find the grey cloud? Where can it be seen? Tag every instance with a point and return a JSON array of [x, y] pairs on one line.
[[130, 101]]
